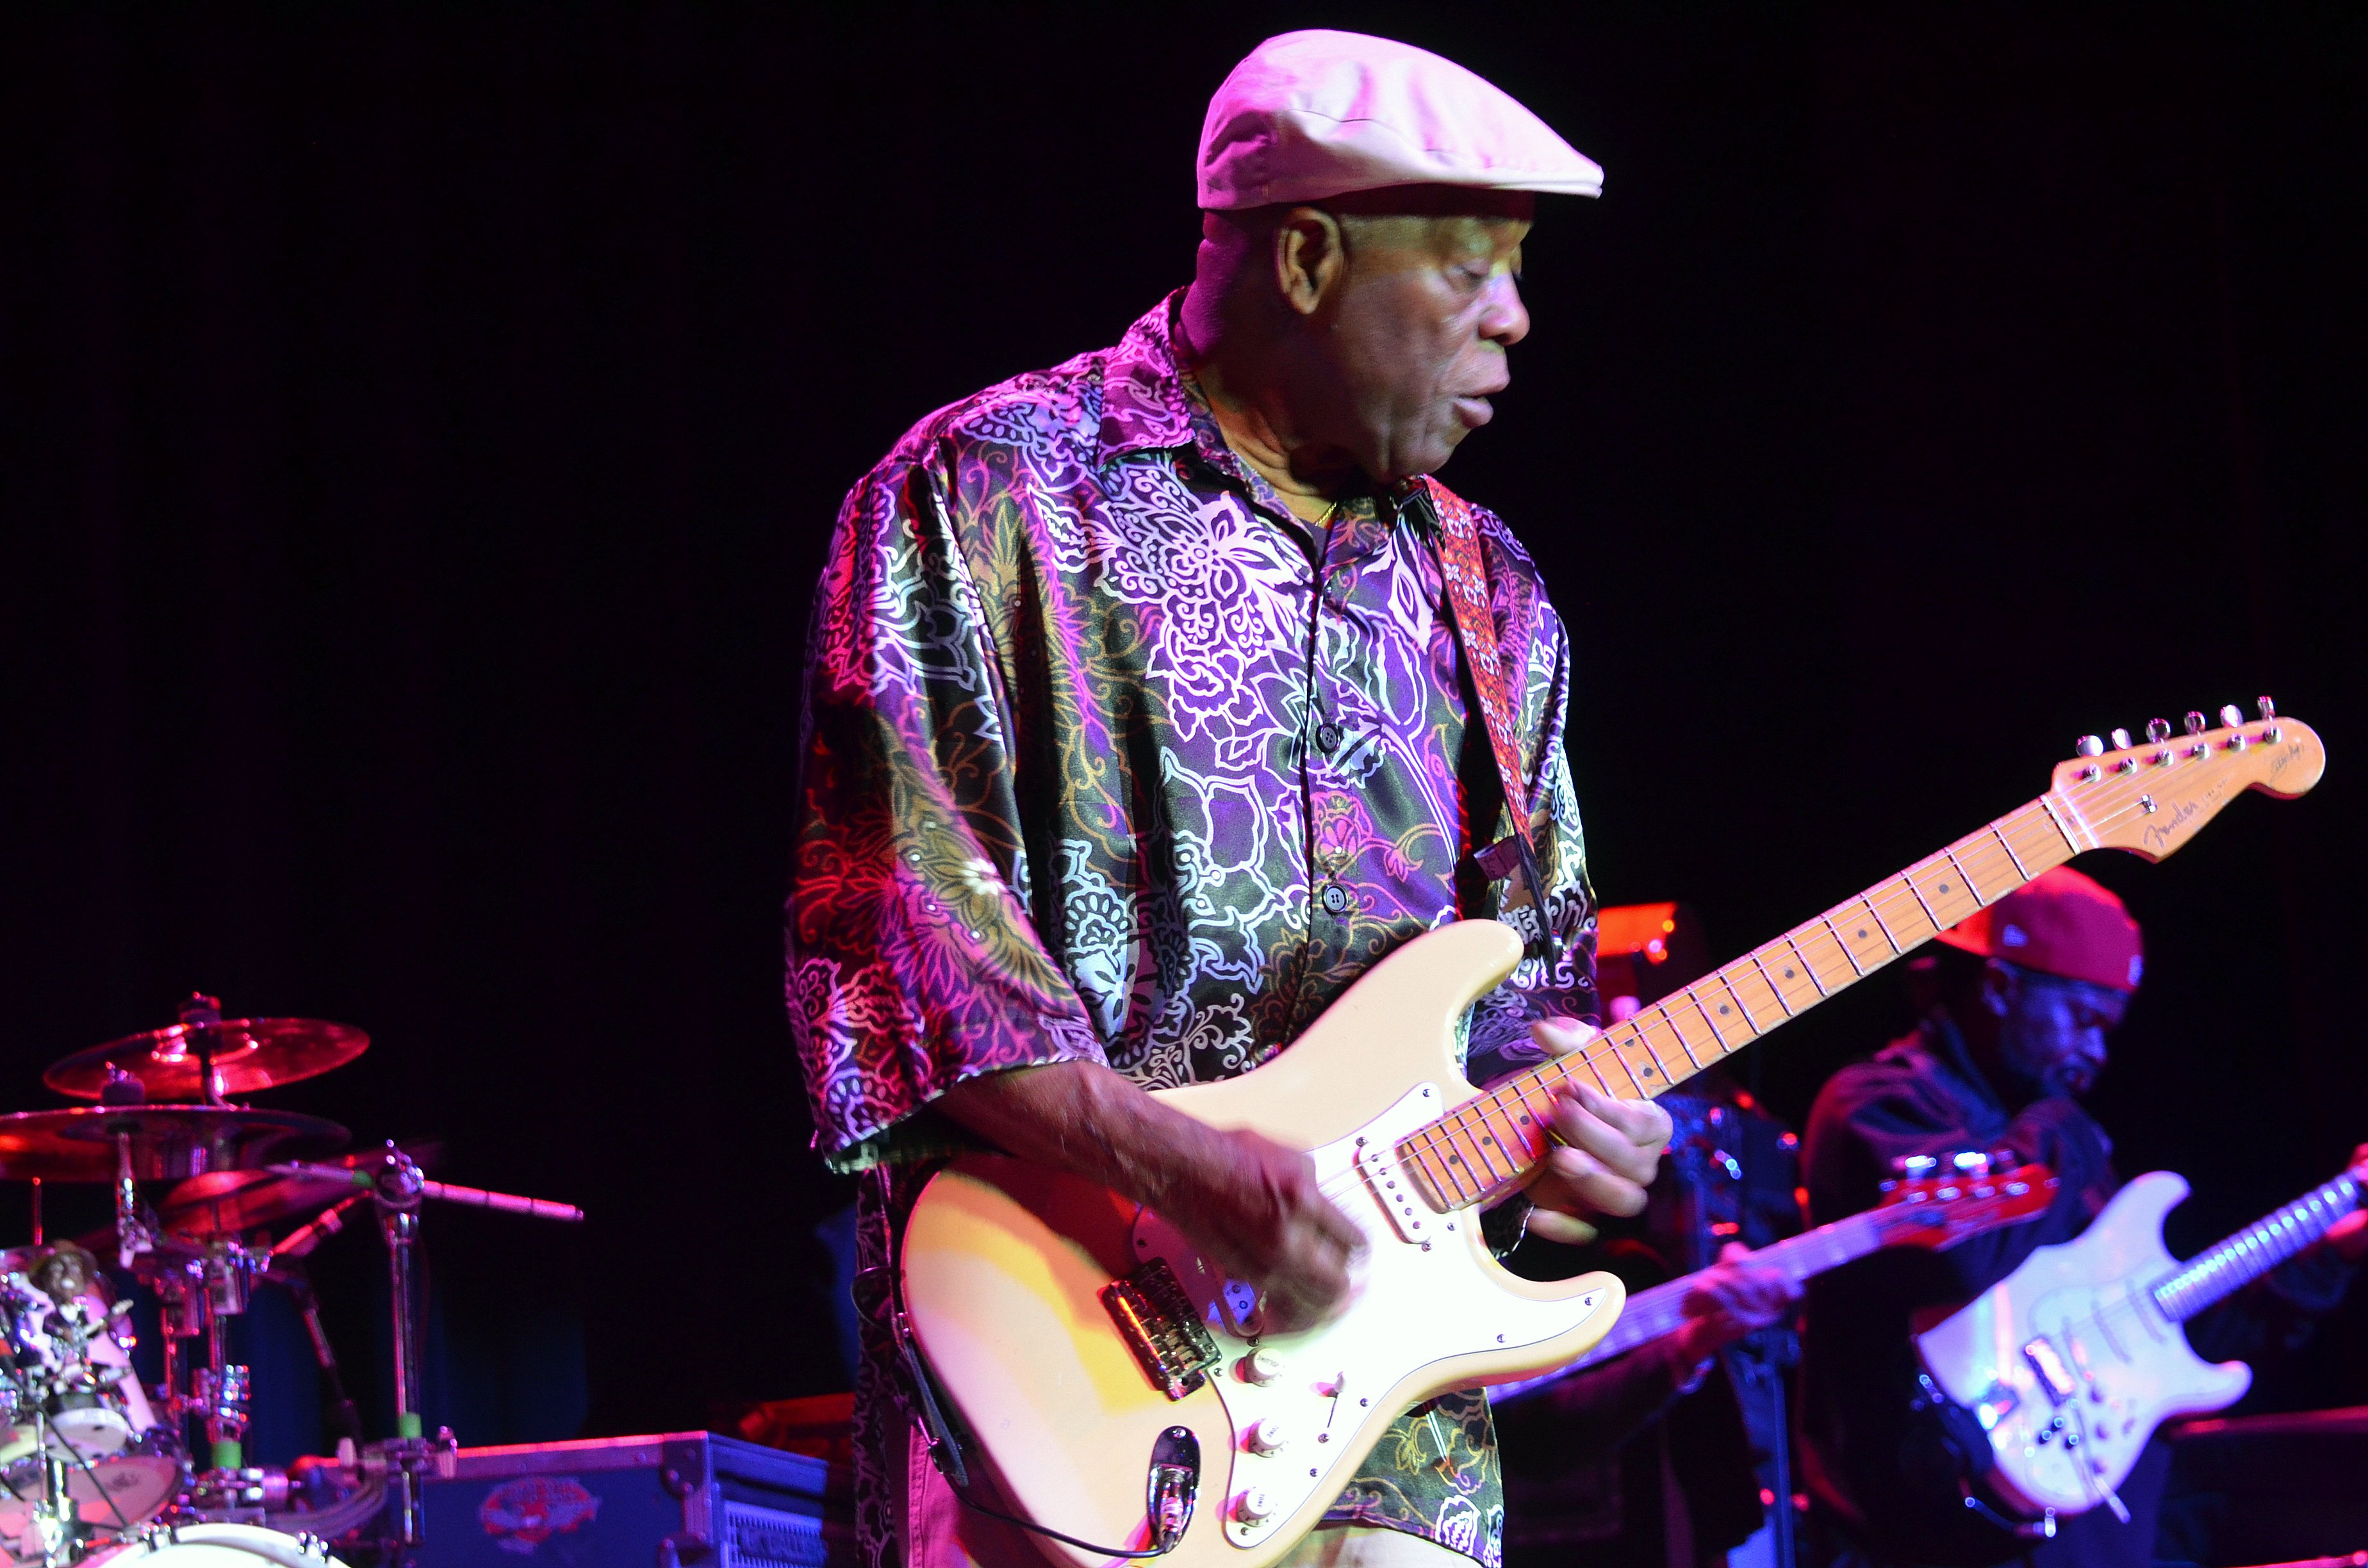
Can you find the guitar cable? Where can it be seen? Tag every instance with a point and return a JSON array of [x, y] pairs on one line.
[[926, 1412]]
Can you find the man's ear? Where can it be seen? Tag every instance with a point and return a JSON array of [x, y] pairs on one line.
[[2000, 986], [1309, 258]]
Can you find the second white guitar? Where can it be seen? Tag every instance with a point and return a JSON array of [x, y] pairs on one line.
[[2070, 1362]]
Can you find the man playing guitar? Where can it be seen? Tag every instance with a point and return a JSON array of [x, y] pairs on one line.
[[1140, 723], [2017, 1007]]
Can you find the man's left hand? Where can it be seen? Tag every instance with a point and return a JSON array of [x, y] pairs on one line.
[[1607, 1150], [2350, 1235]]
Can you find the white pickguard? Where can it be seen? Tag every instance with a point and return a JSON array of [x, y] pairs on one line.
[[2128, 1367], [1418, 1302]]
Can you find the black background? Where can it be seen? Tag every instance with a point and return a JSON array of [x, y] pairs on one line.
[[422, 425]]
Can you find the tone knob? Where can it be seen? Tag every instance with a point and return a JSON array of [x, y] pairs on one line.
[[1261, 1367], [1266, 1434], [1252, 1506]]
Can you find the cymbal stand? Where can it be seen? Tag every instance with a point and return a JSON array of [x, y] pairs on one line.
[[219, 1390], [202, 1017], [132, 1235], [396, 1185]]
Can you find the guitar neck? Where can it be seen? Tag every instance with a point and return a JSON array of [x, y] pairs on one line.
[[1490, 1144], [1651, 1313], [2252, 1252]]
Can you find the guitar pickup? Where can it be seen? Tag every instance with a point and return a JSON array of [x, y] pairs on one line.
[[1157, 1321], [1394, 1185], [2054, 1375]]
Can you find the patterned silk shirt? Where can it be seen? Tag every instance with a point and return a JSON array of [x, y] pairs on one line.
[[1110, 758]]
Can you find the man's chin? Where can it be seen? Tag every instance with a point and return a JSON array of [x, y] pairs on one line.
[[1425, 456]]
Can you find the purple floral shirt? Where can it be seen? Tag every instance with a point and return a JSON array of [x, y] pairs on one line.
[[1108, 756]]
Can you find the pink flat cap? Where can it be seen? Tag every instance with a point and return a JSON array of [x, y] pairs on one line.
[[1317, 114]]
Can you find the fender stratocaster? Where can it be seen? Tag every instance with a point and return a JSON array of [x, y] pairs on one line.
[[2071, 1361], [1931, 1212], [1107, 1383]]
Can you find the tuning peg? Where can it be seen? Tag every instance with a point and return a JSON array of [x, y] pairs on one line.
[[2194, 722], [2089, 746], [2269, 708], [2231, 715], [1973, 1161], [2121, 740], [1915, 1167]]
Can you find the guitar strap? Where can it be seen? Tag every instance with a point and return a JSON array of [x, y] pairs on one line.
[[1513, 859]]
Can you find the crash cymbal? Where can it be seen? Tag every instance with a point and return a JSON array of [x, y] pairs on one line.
[[231, 1203], [249, 1054], [170, 1142]]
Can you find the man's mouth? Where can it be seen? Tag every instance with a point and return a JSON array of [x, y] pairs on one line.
[[1473, 410]]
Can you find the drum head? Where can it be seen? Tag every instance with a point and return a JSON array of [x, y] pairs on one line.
[[126, 1490], [220, 1546]]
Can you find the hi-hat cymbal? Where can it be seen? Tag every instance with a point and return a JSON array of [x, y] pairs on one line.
[[249, 1054], [232, 1203], [169, 1143]]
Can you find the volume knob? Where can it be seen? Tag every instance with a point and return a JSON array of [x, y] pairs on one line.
[[1260, 1366]]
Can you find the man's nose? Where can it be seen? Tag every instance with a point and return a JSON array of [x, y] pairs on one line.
[[1505, 321]]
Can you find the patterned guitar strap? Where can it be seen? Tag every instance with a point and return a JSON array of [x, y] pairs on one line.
[[1512, 860]]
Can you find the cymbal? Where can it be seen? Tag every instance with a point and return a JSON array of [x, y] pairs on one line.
[[231, 1203], [170, 1142], [249, 1054]]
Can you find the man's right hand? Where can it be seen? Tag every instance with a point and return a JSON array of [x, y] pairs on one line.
[[1251, 1205], [1256, 1210]]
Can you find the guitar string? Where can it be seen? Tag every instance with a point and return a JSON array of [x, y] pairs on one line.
[[2118, 801], [2121, 800]]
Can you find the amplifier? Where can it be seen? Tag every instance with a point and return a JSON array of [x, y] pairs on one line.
[[689, 1498]]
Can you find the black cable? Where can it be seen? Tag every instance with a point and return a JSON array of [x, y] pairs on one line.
[[1056, 1535]]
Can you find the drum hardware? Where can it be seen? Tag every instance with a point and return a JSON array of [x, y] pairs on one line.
[[83, 1457], [395, 1185]]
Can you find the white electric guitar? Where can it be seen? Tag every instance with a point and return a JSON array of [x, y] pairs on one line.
[[1936, 1211], [2070, 1362], [1119, 1395]]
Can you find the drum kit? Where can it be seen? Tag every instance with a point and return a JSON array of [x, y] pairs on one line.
[[94, 1466]]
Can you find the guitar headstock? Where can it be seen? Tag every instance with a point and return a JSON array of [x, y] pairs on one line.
[[2149, 797], [1962, 1200]]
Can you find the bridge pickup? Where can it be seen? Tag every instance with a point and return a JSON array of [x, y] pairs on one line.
[[1157, 1320]]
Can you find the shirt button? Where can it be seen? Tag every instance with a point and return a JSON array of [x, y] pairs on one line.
[[1336, 899], [1327, 737]]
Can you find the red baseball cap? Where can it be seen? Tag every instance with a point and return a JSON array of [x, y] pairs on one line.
[[2060, 923]]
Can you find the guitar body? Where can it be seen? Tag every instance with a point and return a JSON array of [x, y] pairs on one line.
[[1005, 1267], [2079, 1317]]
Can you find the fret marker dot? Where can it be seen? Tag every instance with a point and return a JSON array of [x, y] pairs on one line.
[[1788, 974], [1944, 887], [1861, 936], [1722, 1010]]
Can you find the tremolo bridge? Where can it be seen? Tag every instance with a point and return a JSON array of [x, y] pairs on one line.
[[1158, 1322]]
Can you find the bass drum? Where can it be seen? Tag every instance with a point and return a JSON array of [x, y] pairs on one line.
[[217, 1546]]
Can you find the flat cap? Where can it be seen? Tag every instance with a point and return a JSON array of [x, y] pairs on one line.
[[1318, 114]]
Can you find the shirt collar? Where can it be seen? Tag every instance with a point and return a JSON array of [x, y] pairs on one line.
[[1144, 405]]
